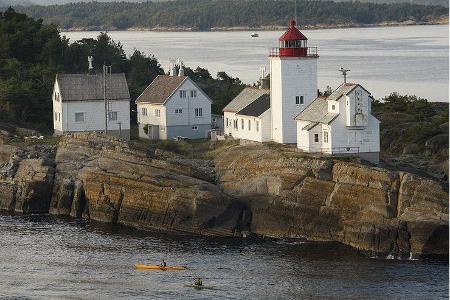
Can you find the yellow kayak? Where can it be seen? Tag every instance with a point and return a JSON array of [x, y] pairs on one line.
[[156, 267]]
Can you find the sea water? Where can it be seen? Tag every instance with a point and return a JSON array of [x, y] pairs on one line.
[[406, 59]]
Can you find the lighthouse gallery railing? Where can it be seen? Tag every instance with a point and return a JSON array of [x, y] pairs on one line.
[[311, 51]]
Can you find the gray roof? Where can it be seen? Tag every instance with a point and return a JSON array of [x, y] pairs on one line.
[[257, 107], [161, 88], [317, 112], [82, 87], [246, 97], [344, 89]]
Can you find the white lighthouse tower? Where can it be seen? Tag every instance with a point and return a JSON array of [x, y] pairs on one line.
[[293, 82]]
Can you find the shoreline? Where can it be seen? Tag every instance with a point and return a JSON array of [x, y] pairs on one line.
[[444, 21]]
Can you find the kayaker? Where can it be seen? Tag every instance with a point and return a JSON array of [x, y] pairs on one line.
[[163, 263], [198, 282]]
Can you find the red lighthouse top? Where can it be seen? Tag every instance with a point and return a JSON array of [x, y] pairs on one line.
[[292, 34], [293, 44]]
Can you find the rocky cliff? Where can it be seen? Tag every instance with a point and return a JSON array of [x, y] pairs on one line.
[[259, 189], [372, 209]]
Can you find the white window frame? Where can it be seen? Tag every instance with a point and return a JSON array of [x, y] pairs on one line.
[[182, 93], [316, 137], [113, 115], [178, 110], [144, 111], [56, 116], [193, 93], [157, 113], [199, 112], [325, 136], [249, 125], [242, 124], [82, 114]]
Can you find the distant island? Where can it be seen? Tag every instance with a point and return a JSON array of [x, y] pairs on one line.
[[214, 15]]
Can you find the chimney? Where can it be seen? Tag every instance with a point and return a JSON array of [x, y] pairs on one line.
[[264, 81], [90, 68], [172, 68], [181, 72]]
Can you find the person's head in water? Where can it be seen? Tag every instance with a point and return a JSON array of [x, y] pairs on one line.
[[163, 263]]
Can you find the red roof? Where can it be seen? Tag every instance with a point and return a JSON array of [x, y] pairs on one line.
[[292, 34]]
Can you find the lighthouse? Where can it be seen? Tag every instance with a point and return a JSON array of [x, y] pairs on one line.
[[293, 82]]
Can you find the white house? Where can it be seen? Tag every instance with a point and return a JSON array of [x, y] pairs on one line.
[[78, 104], [173, 106], [341, 123], [248, 115], [293, 86]]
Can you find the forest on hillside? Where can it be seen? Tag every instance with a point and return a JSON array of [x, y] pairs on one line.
[[207, 14], [32, 53]]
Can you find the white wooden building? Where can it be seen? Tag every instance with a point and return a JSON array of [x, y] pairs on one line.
[[173, 106], [78, 104], [341, 123], [248, 115]]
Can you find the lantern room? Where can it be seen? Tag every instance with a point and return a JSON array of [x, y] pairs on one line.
[[293, 43]]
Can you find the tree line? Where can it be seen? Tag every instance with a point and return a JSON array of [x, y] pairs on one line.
[[207, 14], [32, 53]]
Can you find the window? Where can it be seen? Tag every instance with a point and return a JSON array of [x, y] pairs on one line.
[[79, 117], [249, 125], [257, 126], [235, 124], [59, 116], [157, 113], [325, 136], [298, 99], [333, 107], [301, 100], [194, 128], [242, 123], [57, 97], [316, 137], [144, 111], [199, 112], [56, 116], [182, 94], [113, 116], [178, 110], [227, 122], [193, 94]]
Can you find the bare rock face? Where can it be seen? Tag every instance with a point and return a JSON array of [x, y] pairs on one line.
[[25, 186], [105, 180], [372, 209]]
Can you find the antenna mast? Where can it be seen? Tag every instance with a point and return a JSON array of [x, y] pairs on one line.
[[106, 70], [344, 72]]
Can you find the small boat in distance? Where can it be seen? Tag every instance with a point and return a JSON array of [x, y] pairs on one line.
[[254, 34]]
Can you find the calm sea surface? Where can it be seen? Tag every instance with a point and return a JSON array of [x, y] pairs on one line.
[[410, 59], [44, 258]]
